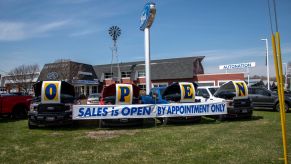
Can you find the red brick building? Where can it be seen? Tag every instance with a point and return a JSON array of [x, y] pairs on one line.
[[163, 73], [218, 79]]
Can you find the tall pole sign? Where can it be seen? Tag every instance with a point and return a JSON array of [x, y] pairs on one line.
[[146, 21]]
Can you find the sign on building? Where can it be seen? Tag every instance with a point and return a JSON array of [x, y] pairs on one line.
[[238, 66]]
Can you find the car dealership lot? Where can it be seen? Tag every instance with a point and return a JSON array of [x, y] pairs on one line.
[[234, 141]]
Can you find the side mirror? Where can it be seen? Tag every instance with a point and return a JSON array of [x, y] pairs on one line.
[[206, 96]]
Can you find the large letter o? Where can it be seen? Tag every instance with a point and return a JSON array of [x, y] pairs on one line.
[[51, 91]]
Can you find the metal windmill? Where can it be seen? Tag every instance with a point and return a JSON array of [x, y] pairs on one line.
[[114, 32]]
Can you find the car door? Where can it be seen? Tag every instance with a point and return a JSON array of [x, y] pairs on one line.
[[264, 98], [199, 94], [254, 97]]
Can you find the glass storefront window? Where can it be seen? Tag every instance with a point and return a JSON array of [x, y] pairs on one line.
[[108, 75], [141, 73], [125, 74], [94, 89]]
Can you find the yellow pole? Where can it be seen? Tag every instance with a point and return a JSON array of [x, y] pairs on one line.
[[283, 114], [278, 68], [279, 56]]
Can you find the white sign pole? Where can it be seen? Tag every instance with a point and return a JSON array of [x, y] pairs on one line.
[[267, 58], [147, 19], [147, 60], [268, 72], [248, 76]]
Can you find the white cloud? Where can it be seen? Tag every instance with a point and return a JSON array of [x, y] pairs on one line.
[[15, 31], [231, 54], [10, 31], [83, 33], [52, 26]]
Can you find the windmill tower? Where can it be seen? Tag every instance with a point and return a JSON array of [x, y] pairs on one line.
[[114, 32]]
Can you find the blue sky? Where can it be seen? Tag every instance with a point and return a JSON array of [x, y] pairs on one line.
[[224, 31]]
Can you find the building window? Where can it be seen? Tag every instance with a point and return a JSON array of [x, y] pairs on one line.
[[125, 74], [142, 86], [206, 83], [87, 91], [160, 84], [141, 74], [108, 75]]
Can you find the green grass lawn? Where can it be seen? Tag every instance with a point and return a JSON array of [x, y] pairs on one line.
[[244, 141]]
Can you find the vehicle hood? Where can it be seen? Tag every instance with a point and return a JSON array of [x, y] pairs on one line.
[[232, 89], [111, 91], [174, 91], [67, 91]]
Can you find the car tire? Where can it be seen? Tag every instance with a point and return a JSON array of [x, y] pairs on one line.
[[19, 112], [277, 107], [221, 117], [197, 119], [163, 120], [250, 115], [31, 126]]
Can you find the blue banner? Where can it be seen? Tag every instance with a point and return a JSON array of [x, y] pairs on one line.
[[85, 112]]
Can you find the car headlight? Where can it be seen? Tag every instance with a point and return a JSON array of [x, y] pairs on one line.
[[33, 107], [69, 107]]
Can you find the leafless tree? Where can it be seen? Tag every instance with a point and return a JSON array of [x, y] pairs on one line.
[[23, 76]]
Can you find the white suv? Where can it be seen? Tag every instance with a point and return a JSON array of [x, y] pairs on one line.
[[205, 93]]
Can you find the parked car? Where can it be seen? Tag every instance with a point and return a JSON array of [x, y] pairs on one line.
[[155, 96], [52, 105], [239, 103], [166, 95], [93, 98], [172, 94], [14, 105], [264, 98], [109, 97], [206, 93]]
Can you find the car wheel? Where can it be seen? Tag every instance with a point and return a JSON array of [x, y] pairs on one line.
[[163, 120], [250, 115], [221, 117], [31, 126], [197, 119], [278, 107], [19, 112]]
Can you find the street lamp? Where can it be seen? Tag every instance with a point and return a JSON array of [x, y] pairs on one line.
[[267, 57]]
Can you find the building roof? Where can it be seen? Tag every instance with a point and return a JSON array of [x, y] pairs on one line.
[[174, 68], [68, 71]]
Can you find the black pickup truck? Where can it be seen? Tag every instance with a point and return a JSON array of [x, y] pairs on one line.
[[239, 104], [264, 98], [45, 112]]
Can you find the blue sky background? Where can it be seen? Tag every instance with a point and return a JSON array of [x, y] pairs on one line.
[[224, 31]]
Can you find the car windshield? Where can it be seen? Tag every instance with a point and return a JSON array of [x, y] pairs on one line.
[[162, 90], [94, 96], [213, 90]]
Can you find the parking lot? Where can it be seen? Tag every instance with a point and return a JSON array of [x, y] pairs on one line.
[[255, 140]]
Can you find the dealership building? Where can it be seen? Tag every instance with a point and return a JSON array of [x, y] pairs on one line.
[[89, 79], [163, 72]]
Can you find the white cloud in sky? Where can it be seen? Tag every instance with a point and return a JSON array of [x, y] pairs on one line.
[[15, 31], [10, 31], [215, 58], [82, 33], [222, 55]]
